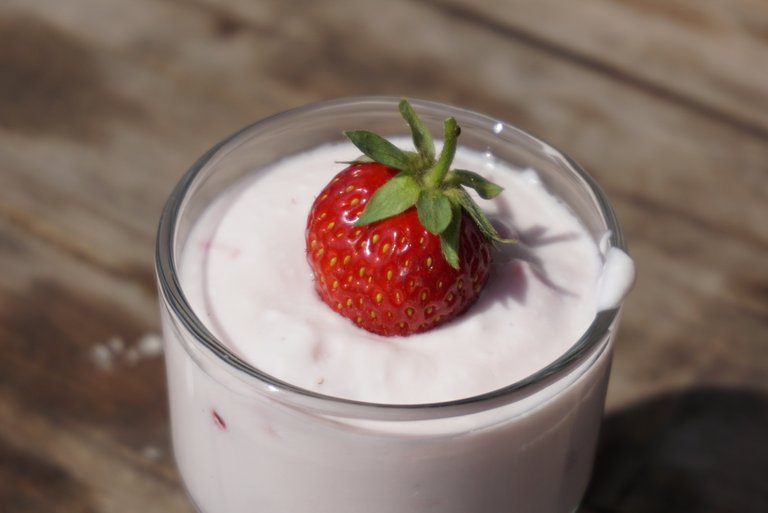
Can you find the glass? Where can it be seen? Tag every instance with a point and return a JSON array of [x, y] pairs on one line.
[[245, 441]]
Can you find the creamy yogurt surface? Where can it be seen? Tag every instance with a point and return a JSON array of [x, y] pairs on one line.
[[244, 272]]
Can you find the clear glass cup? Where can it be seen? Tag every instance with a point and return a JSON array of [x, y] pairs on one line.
[[245, 441]]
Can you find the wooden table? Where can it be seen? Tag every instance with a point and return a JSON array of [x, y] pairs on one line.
[[105, 103]]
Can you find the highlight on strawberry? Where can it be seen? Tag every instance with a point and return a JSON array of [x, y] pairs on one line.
[[395, 242]]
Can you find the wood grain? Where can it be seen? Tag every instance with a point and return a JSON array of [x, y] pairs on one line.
[[705, 56], [104, 104]]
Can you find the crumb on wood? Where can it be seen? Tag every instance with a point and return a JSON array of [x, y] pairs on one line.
[[115, 350]]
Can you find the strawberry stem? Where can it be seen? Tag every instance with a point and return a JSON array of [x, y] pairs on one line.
[[434, 177], [422, 138]]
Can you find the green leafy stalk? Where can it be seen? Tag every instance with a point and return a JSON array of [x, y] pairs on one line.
[[422, 139], [462, 198], [486, 189], [434, 177], [379, 149], [434, 210], [428, 183], [449, 239]]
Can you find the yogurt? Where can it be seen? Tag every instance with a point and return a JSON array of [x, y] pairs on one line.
[[300, 411], [245, 273]]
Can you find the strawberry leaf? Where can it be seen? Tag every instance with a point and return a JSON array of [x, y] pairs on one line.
[[449, 239], [463, 198], [362, 159], [397, 195], [434, 210], [434, 176], [485, 188], [379, 149], [422, 139]]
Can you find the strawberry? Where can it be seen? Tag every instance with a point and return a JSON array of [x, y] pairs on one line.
[[395, 242]]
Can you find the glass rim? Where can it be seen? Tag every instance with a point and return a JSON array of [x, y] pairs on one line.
[[172, 292]]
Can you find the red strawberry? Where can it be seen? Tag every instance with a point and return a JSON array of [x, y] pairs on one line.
[[396, 244]]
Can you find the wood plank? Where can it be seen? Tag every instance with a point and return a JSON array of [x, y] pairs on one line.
[[708, 56], [697, 315], [71, 469], [89, 153], [83, 422]]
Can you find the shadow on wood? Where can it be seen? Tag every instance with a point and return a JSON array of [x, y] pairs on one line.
[[29, 484], [702, 450]]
